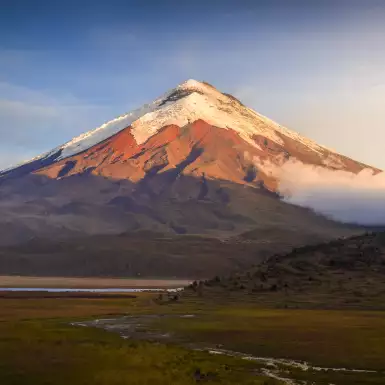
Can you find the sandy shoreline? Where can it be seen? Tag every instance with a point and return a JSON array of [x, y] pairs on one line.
[[95, 283]]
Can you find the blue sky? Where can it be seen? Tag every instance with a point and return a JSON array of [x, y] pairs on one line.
[[317, 67]]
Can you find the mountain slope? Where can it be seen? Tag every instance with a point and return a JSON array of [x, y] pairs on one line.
[[347, 272], [194, 161]]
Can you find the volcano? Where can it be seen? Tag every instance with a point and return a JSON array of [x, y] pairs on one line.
[[194, 161], [193, 129]]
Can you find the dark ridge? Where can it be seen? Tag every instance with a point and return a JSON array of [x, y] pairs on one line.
[[346, 272], [29, 167], [178, 94], [234, 98]]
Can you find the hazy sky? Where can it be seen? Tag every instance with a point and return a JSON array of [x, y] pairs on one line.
[[317, 67]]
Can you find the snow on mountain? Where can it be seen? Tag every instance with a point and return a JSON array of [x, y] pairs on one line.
[[203, 101], [187, 102], [97, 135]]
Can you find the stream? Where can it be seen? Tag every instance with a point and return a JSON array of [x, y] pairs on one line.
[[139, 328]]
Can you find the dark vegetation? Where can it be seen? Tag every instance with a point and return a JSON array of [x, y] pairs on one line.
[[345, 272]]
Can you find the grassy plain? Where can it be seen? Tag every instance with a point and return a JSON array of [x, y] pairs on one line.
[[325, 338], [331, 338], [39, 346]]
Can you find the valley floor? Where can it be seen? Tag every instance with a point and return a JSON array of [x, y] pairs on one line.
[[39, 343]]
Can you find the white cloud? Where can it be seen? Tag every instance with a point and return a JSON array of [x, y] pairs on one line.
[[343, 196]]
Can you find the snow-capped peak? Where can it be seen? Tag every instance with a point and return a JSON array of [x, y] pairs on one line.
[[196, 86], [189, 101]]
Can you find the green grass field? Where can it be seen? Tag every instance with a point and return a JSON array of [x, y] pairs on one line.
[[355, 339], [39, 346], [326, 338]]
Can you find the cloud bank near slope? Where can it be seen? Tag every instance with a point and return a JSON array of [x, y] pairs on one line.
[[340, 195]]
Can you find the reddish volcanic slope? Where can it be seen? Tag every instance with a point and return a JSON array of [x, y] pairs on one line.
[[197, 149]]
